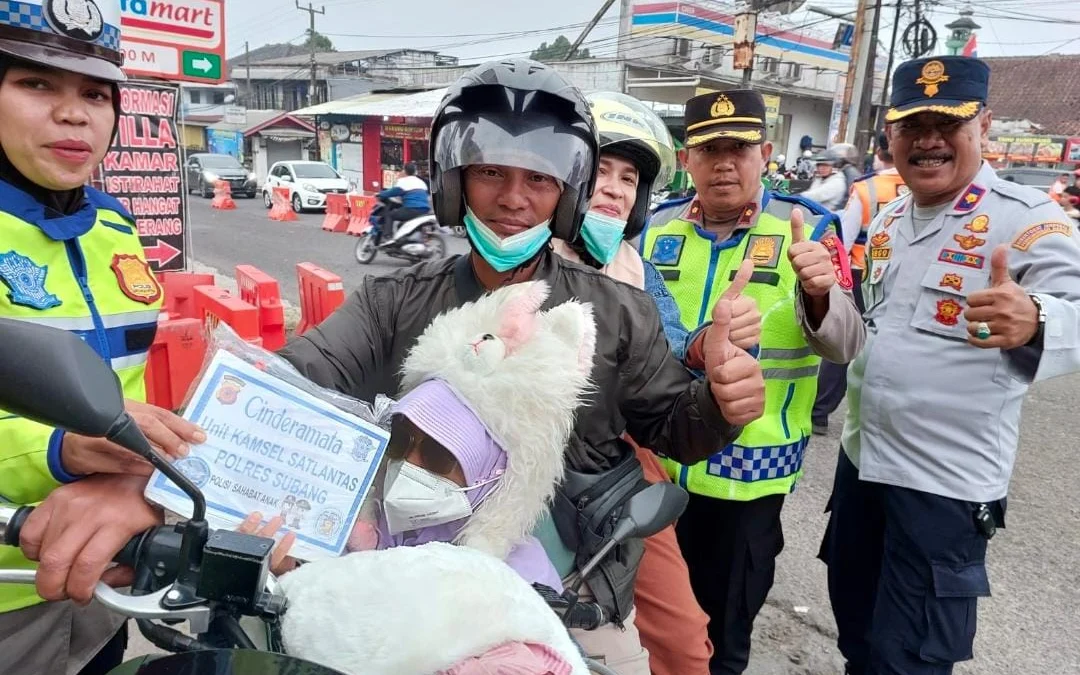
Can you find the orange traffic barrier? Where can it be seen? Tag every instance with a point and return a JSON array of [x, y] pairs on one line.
[[222, 196], [259, 289], [179, 292], [360, 208], [337, 213], [214, 304], [280, 208], [321, 292], [175, 358]]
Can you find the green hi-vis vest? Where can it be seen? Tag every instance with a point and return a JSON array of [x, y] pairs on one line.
[[87, 274], [766, 458]]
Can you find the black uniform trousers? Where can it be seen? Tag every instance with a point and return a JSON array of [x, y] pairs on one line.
[[906, 569], [832, 377], [730, 549]]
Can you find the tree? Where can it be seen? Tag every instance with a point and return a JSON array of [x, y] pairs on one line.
[[321, 42], [556, 51]]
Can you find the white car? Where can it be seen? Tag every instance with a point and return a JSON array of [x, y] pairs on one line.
[[308, 183]]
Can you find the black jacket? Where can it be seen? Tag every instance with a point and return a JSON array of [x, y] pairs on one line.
[[640, 386]]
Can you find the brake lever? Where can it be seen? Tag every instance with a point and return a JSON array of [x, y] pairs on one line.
[[150, 607], [134, 606]]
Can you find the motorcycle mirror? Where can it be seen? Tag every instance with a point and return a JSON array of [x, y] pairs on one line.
[[644, 514], [51, 376], [650, 511], [80, 393]]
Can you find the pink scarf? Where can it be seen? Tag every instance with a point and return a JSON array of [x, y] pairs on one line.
[[513, 658]]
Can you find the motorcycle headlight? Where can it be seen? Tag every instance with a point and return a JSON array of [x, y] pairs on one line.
[[309, 187]]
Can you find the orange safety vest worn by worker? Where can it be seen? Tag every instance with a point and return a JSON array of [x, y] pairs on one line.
[[873, 193]]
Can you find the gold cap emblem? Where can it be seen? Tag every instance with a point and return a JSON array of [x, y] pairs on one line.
[[933, 74], [723, 107]]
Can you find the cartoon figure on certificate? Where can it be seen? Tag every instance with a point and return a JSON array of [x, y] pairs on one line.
[[287, 506], [297, 514]]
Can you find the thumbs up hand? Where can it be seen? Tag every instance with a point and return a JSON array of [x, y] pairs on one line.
[[735, 378], [745, 327], [810, 260], [1004, 307]]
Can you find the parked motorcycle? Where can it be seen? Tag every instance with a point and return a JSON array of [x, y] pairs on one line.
[[414, 240], [217, 581]]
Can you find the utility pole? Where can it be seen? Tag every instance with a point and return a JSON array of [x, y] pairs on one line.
[[588, 29], [745, 37], [879, 123], [853, 84], [310, 9], [864, 129], [247, 64]]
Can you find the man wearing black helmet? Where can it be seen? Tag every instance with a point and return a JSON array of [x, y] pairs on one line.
[[514, 156]]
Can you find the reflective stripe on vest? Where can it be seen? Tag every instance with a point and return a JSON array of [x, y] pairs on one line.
[[767, 457], [71, 285]]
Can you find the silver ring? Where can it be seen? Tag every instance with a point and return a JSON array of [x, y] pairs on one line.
[[982, 331]]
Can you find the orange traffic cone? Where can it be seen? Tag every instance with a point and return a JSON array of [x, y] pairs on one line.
[[222, 197]]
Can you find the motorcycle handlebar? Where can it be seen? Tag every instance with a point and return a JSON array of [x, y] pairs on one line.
[[162, 542]]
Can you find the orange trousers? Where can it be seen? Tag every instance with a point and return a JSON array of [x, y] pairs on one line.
[[672, 625]]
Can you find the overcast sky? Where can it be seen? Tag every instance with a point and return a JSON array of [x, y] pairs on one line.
[[477, 29]]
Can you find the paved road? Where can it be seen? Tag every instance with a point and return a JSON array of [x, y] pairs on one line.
[[224, 239], [1028, 626]]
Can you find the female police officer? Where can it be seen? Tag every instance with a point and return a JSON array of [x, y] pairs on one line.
[[70, 258]]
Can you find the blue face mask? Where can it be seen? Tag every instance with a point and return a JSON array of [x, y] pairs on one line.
[[603, 235], [505, 253]]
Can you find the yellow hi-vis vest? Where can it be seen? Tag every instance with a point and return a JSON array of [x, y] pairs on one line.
[[85, 273], [766, 459]]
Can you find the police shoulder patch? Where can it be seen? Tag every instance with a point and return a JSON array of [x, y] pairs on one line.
[[26, 282], [667, 249]]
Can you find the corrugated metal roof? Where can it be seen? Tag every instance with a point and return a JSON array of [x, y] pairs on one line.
[[331, 107], [422, 104], [254, 118]]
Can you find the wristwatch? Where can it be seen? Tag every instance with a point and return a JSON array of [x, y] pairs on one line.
[[1037, 338]]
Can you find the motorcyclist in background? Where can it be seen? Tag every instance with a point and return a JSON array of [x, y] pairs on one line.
[[514, 156], [70, 257], [415, 199], [830, 187]]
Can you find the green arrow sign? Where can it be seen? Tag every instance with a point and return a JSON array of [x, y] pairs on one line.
[[202, 64]]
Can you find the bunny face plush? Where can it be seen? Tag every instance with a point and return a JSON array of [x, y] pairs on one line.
[[524, 372]]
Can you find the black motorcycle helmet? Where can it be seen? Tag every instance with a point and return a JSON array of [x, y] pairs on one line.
[[520, 113]]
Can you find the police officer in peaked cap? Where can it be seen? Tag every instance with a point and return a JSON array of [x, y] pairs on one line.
[[70, 258], [972, 293]]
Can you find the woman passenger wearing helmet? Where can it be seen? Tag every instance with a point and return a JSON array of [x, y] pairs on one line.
[[637, 157], [70, 258]]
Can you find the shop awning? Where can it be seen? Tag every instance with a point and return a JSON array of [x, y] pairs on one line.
[[285, 135]]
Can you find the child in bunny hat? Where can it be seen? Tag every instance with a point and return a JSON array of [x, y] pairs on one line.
[[477, 437], [476, 450]]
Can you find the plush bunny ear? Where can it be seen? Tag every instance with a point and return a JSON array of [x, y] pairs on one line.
[[573, 323], [517, 320]]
